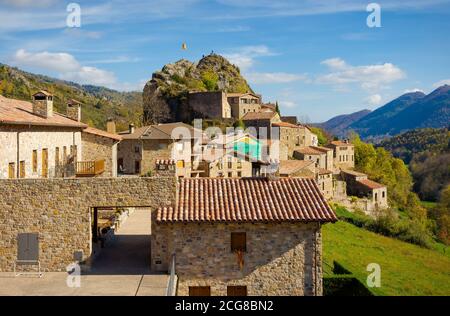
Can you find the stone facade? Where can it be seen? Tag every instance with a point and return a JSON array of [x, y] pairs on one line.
[[242, 104], [325, 183], [60, 211], [19, 142], [229, 167], [343, 154], [209, 104], [280, 258], [96, 147]]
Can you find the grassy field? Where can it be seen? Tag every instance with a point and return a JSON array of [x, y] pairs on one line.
[[406, 269]]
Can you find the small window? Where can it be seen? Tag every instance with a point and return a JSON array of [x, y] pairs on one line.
[[230, 164], [237, 290], [239, 164], [230, 174], [238, 242], [383, 194], [239, 174], [137, 149], [199, 291]]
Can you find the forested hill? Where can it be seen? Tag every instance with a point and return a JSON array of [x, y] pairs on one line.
[[99, 103]]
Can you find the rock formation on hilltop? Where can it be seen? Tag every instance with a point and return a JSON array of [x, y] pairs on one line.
[[165, 95]]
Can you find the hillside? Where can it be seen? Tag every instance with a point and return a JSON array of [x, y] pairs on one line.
[[338, 125], [165, 95], [406, 269], [406, 145], [427, 151], [99, 103]]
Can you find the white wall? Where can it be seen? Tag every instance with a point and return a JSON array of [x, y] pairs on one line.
[[29, 140]]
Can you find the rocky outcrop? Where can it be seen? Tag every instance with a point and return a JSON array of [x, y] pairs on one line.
[[165, 95]]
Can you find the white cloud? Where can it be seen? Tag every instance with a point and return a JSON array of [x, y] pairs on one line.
[[369, 77], [90, 75], [413, 90], [374, 99], [28, 3], [68, 68], [60, 62], [273, 77], [441, 83], [244, 57], [288, 104]]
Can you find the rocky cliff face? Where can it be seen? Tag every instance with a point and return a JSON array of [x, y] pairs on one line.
[[165, 95]]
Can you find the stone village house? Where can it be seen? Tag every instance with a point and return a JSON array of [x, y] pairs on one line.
[[222, 105], [251, 236], [142, 147], [37, 142]]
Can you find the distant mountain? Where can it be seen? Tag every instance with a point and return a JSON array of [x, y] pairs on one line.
[[407, 112], [99, 103], [376, 123], [338, 125]]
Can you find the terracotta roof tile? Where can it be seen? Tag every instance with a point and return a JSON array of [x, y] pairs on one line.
[[341, 143], [310, 150], [14, 111], [259, 116], [285, 124], [99, 132], [371, 184], [247, 200], [292, 166]]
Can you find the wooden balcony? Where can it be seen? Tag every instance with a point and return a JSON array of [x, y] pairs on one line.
[[90, 168]]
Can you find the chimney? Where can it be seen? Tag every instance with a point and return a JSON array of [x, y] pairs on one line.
[[131, 128], [74, 110], [43, 104], [111, 126]]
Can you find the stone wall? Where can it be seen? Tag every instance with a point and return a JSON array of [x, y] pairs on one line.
[[210, 105], [281, 258], [60, 210], [100, 148], [22, 140]]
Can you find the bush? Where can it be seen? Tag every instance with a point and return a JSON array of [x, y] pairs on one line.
[[344, 286]]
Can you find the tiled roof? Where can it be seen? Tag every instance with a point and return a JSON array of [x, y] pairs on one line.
[[259, 116], [14, 111], [354, 173], [285, 124], [247, 200], [324, 171], [292, 166], [371, 184], [310, 150], [99, 132], [341, 143], [158, 131]]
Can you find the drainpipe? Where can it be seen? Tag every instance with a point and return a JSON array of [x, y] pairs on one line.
[[17, 156]]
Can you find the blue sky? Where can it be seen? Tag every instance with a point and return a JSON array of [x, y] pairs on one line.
[[318, 58]]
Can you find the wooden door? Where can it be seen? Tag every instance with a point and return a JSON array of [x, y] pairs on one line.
[[199, 291], [11, 170], [237, 290], [22, 169], [45, 163], [137, 166]]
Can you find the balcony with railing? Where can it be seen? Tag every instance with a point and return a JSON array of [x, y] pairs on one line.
[[90, 168]]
